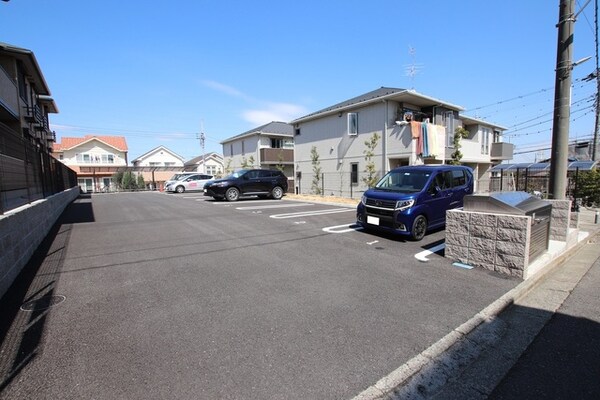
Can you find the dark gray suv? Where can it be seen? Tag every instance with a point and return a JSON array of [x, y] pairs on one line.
[[246, 182]]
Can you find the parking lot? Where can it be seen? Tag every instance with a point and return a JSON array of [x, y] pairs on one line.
[[180, 296]]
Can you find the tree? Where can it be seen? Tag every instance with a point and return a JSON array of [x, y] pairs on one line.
[[316, 164], [459, 134], [248, 163], [280, 167], [588, 187], [228, 169], [117, 179], [140, 182], [371, 179], [129, 181]]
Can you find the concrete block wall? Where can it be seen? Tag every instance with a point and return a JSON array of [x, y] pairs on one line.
[[492, 241], [560, 220], [23, 229]]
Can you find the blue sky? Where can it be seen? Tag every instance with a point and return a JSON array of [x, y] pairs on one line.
[[158, 72]]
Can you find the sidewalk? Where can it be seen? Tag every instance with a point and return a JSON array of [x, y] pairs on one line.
[[498, 354]]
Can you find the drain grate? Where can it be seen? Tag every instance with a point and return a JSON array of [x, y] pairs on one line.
[[42, 303]]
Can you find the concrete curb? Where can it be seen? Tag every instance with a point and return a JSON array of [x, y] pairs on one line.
[[428, 371]]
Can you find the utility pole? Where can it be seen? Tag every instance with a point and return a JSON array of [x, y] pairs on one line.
[[202, 140], [562, 102], [597, 73]]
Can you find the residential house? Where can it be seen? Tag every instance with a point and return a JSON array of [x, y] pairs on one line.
[[210, 163], [25, 101], [28, 172], [158, 157], [94, 158], [270, 146], [157, 166], [405, 127]]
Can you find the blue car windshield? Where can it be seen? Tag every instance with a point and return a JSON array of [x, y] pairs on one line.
[[403, 181]]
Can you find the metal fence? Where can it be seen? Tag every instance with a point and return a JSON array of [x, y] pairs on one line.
[[340, 184], [531, 180], [27, 173]]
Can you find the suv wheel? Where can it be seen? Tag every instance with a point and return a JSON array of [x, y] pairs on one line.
[[277, 193], [232, 194], [180, 189], [419, 228]]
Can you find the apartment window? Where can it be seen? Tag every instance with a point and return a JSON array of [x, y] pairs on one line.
[[297, 132], [354, 173], [276, 143], [22, 82], [243, 150], [169, 164], [485, 140], [353, 124], [231, 149], [448, 117], [497, 137], [61, 157], [154, 164]]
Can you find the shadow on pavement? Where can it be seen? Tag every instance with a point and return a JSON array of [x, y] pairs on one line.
[[28, 302], [561, 363]]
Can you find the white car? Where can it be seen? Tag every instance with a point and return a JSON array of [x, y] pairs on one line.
[[178, 176], [189, 183]]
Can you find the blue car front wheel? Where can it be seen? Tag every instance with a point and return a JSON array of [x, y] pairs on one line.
[[419, 228]]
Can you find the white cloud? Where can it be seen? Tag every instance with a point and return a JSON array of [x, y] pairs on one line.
[[283, 112], [265, 111], [220, 87]]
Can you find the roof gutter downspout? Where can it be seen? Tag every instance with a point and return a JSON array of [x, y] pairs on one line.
[[384, 162]]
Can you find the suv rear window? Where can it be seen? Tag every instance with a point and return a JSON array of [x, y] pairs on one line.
[[458, 178]]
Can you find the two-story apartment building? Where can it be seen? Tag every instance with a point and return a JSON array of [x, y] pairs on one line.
[[94, 158], [25, 100], [209, 163], [411, 129], [26, 141], [269, 146]]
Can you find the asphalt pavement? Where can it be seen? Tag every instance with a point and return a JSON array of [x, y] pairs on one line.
[[540, 341], [131, 298]]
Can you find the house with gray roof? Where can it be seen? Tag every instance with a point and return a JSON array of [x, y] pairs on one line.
[[209, 163], [269, 146], [411, 128]]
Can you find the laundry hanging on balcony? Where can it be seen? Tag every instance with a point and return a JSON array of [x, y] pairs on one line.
[[429, 137]]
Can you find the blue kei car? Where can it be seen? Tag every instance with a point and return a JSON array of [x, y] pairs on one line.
[[414, 199]]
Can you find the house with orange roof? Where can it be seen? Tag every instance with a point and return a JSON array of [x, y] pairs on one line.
[[94, 158]]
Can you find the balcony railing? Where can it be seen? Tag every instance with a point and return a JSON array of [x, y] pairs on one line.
[[8, 96], [34, 114], [276, 156], [502, 151]]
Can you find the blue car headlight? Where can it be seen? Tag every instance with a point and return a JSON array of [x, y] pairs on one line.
[[402, 205]]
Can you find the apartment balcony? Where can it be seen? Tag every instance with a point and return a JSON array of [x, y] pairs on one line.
[[276, 156], [502, 151], [9, 98], [34, 115]]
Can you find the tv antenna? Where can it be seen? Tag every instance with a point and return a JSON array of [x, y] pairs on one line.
[[413, 68]]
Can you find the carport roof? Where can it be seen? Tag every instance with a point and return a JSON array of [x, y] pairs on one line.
[[573, 166]]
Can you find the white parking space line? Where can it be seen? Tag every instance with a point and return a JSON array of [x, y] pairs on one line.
[[346, 228], [422, 256], [273, 206], [264, 201], [311, 213]]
